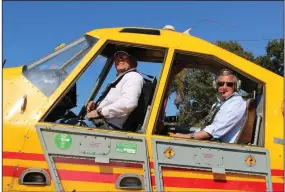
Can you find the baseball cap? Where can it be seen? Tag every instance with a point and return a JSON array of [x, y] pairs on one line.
[[122, 52]]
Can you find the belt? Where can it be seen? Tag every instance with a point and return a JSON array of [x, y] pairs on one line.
[[110, 125]]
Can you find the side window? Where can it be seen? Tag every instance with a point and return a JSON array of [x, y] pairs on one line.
[[49, 72], [91, 84], [190, 96]]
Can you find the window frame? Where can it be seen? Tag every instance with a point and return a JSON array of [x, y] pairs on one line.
[[261, 133]]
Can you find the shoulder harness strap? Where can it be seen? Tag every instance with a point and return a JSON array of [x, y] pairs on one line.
[[112, 85], [210, 117]]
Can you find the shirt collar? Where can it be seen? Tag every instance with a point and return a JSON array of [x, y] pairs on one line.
[[132, 69]]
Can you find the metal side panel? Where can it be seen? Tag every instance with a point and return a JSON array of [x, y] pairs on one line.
[[191, 165], [73, 153]]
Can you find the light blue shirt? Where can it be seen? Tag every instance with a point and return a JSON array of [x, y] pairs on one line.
[[228, 121]]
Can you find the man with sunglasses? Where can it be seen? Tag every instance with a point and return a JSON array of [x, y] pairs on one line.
[[121, 97], [226, 116]]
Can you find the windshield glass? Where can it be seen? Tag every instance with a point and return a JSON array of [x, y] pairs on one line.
[[49, 72]]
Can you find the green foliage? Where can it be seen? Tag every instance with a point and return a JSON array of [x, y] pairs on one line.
[[274, 58], [198, 95]]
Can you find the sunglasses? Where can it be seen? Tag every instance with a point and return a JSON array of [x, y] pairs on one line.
[[228, 84]]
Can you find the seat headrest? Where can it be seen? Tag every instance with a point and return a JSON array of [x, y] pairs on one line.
[[251, 103]]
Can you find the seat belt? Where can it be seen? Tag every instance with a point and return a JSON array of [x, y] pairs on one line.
[[112, 85], [210, 117], [107, 90]]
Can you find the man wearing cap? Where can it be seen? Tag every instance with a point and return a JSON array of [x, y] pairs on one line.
[[120, 100]]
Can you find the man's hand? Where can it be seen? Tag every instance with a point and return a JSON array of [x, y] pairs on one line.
[[93, 115], [91, 106], [200, 135], [187, 136]]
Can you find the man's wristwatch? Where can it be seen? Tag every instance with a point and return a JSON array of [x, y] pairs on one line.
[[99, 111], [191, 135]]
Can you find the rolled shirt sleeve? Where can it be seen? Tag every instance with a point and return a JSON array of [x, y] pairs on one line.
[[229, 120]]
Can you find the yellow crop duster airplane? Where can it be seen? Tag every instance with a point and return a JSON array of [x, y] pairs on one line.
[[44, 151]]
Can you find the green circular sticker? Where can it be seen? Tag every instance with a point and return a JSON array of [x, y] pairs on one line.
[[63, 141]]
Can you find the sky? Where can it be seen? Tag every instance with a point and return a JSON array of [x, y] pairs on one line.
[[32, 29]]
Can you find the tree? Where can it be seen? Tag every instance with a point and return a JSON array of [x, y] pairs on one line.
[[198, 95], [274, 58]]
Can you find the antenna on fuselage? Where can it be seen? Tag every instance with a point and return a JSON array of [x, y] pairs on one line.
[[188, 31]]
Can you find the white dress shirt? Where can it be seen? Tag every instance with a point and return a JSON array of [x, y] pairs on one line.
[[122, 99], [228, 121]]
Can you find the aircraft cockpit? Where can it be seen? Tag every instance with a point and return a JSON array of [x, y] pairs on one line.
[[49, 73]]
